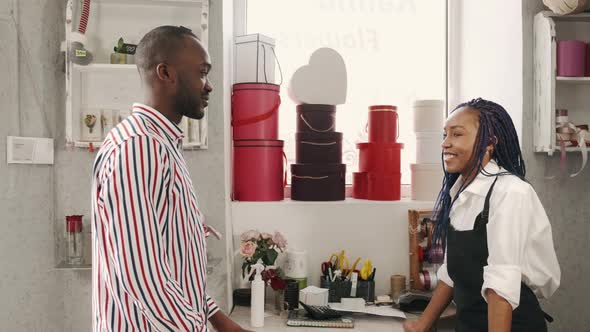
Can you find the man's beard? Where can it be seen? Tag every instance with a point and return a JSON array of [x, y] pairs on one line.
[[187, 103]]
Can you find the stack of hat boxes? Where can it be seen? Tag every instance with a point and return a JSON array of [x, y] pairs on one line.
[[379, 176], [427, 172], [319, 174]]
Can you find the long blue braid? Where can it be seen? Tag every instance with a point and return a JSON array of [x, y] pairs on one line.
[[495, 127]]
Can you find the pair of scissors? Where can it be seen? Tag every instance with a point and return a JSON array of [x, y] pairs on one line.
[[353, 268], [341, 261], [333, 260], [328, 271]]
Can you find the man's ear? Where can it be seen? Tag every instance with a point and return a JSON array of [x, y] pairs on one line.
[[165, 73]]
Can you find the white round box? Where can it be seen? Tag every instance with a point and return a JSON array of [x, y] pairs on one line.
[[429, 115], [295, 265], [428, 147], [426, 181]]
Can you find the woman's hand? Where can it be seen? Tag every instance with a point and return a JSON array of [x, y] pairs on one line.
[[414, 325], [440, 300]]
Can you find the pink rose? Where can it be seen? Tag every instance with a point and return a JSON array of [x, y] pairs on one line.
[[250, 235], [247, 249], [279, 240]]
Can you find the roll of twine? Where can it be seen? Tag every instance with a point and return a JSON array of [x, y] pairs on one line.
[[398, 285]]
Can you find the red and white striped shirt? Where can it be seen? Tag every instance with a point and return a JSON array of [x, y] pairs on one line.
[[149, 253]]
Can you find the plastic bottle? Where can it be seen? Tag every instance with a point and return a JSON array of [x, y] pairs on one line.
[[257, 299]]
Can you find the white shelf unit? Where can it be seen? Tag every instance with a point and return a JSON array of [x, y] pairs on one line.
[[104, 86], [553, 92]]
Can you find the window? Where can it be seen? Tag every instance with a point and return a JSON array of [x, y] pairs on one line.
[[395, 52]]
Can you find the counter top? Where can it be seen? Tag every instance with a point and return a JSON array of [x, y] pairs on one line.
[[274, 322]]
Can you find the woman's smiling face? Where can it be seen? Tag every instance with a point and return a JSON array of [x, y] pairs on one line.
[[460, 135]]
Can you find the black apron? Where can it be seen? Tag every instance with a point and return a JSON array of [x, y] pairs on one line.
[[467, 254]]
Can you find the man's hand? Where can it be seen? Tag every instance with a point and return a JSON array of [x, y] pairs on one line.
[[222, 323]]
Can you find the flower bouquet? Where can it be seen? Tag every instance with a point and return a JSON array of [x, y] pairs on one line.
[[266, 248]]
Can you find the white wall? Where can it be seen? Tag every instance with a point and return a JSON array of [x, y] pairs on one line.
[[566, 203], [485, 54], [367, 229], [30, 289]]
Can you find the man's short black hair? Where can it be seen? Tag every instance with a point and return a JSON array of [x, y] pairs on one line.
[[159, 45]]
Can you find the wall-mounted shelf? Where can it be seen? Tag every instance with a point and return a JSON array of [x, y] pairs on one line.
[[97, 144], [569, 149], [65, 266], [573, 80], [582, 17], [105, 67], [175, 3], [99, 95], [555, 92]]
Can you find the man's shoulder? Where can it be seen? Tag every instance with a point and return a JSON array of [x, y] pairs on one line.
[[128, 133]]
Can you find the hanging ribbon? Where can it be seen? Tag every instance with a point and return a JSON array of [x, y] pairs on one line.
[[567, 133]]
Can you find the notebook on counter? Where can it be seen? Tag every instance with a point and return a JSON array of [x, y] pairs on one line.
[[298, 318]]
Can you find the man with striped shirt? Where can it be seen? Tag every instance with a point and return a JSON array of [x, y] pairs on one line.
[[149, 251]]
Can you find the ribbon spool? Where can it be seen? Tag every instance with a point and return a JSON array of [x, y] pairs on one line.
[[436, 255], [568, 134], [429, 279]]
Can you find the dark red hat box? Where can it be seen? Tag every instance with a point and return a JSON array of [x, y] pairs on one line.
[[318, 148], [383, 123], [318, 182], [258, 170], [359, 185], [255, 111], [316, 118], [384, 186], [380, 157]]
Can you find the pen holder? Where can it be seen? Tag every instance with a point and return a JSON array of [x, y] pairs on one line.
[[337, 289], [366, 290]]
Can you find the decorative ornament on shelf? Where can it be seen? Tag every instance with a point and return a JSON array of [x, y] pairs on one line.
[[265, 247], [567, 7], [124, 53], [90, 121], [77, 51]]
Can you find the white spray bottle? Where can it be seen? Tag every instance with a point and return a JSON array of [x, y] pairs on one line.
[[257, 297]]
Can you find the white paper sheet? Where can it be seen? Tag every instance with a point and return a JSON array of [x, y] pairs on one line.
[[386, 311]]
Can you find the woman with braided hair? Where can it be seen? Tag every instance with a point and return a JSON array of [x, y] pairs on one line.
[[499, 254]]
